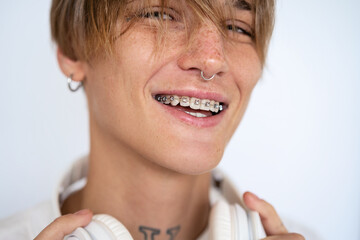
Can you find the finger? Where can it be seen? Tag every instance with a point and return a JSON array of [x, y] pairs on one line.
[[65, 225], [288, 236], [269, 218]]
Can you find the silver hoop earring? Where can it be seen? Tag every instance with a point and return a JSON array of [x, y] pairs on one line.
[[206, 79], [71, 82]]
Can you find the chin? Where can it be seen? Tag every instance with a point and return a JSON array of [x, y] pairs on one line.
[[194, 161]]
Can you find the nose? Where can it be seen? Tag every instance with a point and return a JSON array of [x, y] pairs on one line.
[[205, 53]]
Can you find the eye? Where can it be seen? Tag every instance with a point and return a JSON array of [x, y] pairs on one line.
[[155, 14], [157, 17], [238, 30]]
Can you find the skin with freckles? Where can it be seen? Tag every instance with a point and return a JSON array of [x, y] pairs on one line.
[[158, 164], [148, 168], [125, 87]]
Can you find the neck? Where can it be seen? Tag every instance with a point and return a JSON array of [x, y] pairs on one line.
[[147, 198]]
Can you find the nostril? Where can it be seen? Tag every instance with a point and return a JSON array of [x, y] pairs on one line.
[[205, 56]]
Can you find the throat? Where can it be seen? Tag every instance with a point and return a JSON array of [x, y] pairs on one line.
[[176, 209], [72, 204]]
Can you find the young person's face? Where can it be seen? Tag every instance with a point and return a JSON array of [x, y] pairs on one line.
[[121, 91]]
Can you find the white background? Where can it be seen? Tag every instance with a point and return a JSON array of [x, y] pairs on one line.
[[298, 146]]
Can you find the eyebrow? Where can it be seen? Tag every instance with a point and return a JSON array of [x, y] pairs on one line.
[[242, 5]]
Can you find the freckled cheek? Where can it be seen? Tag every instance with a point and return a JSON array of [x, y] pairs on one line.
[[246, 71], [131, 70]]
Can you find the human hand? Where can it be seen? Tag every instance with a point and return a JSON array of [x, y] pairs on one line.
[[65, 225], [274, 228]]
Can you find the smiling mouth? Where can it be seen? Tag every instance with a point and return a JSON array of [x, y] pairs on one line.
[[195, 107]]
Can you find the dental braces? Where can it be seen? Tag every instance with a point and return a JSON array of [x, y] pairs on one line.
[[168, 99]]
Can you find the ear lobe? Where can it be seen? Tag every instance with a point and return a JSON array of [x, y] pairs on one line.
[[71, 67]]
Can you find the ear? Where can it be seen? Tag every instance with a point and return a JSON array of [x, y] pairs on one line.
[[71, 67]]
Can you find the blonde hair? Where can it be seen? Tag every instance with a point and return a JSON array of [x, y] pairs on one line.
[[83, 28]]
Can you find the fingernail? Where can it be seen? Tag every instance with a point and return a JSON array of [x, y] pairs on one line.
[[82, 212], [254, 196]]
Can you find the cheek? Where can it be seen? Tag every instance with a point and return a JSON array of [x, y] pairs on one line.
[[246, 67], [103, 98], [247, 73], [246, 70], [121, 79]]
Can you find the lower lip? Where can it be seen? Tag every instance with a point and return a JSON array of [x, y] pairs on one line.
[[201, 122]]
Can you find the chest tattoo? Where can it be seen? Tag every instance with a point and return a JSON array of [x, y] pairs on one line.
[[151, 233]]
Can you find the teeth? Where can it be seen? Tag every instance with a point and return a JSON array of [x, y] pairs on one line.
[[174, 100], [205, 105], [185, 101], [200, 115], [167, 101], [216, 107], [194, 103], [212, 103]]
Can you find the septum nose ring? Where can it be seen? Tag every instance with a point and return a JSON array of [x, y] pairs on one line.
[[206, 79]]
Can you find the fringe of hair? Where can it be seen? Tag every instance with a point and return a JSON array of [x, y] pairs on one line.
[[83, 29]]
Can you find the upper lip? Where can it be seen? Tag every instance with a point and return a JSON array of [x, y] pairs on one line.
[[211, 95]]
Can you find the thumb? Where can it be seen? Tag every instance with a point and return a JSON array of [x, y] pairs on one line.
[[269, 217], [65, 225]]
